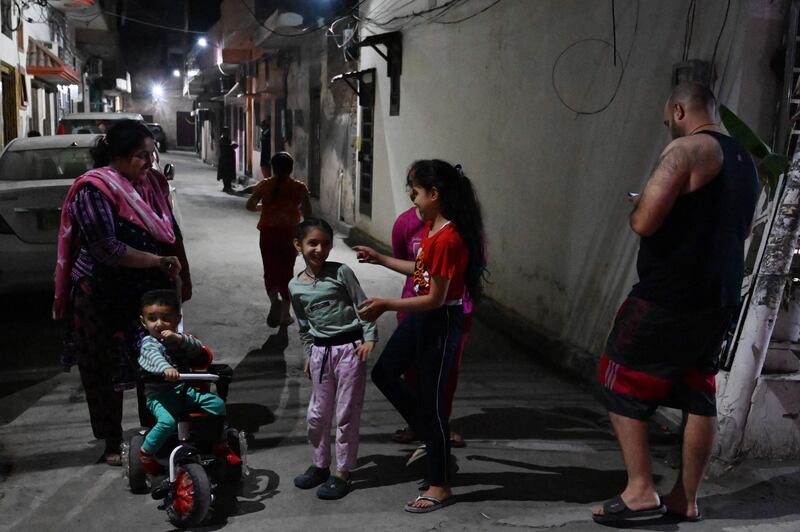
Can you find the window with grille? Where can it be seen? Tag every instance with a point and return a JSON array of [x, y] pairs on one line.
[[367, 102]]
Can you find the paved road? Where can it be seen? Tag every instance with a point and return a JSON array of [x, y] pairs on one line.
[[539, 449]]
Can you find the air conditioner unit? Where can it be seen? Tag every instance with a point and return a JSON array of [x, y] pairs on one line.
[[94, 67]]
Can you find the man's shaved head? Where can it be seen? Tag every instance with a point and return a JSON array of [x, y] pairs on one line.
[[690, 104], [693, 96]]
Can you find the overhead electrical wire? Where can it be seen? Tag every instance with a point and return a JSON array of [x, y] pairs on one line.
[[721, 29], [307, 31], [623, 66], [614, 29], [436, 14], [459, 21], [688, 29], [413, 14]]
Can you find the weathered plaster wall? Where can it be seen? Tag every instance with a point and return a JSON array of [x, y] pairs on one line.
[[552, 182], [312, 66]]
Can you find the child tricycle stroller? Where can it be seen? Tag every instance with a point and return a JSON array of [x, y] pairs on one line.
[[194, 470]]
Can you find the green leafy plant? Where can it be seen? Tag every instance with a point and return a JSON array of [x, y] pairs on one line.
[[770, 164]]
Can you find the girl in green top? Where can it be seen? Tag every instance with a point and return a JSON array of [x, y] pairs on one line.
[[336, 342]]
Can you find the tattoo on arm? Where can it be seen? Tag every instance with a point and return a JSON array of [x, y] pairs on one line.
[[674, 160]]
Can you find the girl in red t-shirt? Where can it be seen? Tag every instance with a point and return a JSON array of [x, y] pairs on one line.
[[451, 257]]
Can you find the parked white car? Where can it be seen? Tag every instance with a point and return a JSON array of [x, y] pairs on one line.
[[35, 174], [92, 122]]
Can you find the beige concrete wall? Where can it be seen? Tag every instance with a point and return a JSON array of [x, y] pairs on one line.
[[313, 65], [553, 183]]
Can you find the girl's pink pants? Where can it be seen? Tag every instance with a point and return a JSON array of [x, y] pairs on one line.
[[341, 388]]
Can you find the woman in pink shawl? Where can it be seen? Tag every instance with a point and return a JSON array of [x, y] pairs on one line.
[[117, 240]]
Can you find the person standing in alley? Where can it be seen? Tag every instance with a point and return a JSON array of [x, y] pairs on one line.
[[693, 218], [407, 233], [266, 148], [336, 343], [451, 258], [226, 165], [118, 239], [283, 202]]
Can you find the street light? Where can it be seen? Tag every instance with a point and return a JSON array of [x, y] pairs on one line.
[[202, 42], [157, 90], [176, 73]]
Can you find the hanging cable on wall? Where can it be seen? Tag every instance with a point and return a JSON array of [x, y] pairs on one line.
[[614, 30], [721, 29], [688, 29], [623, 65]]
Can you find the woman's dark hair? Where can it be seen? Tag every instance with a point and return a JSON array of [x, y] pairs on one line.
[[305, 227], [459, 204], [282, 165], [122, 139], [165, 297]]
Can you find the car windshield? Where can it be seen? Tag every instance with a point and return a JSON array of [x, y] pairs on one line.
[[83, 125], [60, 163]]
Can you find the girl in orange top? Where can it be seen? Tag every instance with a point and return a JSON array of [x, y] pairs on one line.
[[283, 202]]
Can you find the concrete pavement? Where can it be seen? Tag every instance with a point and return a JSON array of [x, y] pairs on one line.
[[539, 453]]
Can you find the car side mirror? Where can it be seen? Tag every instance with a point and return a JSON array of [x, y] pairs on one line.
[[169, 171]]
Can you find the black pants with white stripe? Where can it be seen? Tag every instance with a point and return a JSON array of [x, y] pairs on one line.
[[428, 341]]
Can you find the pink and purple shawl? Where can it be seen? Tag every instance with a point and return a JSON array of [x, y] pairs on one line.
[[134, 202]]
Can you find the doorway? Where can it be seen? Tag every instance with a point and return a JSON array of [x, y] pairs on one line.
[[185, 130], [8, 78]]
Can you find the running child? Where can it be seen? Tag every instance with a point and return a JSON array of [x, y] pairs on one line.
[[336, 343], [164, 351], [282, 202], [450, 259]]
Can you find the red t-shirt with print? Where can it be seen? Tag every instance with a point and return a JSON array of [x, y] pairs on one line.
[[442, 253]]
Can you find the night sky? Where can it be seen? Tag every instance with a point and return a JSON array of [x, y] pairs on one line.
[[135, 37]]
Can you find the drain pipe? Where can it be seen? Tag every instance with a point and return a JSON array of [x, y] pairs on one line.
[[339, 203]]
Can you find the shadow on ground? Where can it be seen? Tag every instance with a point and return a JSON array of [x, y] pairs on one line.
[[544, 483], [31, 348], [534, 423], [768, 499], [256, 389], [241, 499]]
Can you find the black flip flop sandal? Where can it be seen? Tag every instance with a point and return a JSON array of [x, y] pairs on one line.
[[616, 510], [676, 517], [437, 504]]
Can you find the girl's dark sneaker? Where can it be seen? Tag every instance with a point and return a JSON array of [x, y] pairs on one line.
[[334, 488], [313, 477]]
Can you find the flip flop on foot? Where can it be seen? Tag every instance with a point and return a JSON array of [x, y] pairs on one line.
[[456, 440], [404, 435], [615, 510], [418, 453], [111, 458], [274, 316], [435, 504], [677, 517]]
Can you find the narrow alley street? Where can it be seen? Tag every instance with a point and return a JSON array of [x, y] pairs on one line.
[[539, 448]]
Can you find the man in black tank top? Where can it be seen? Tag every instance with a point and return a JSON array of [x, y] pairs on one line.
[[693, 218]]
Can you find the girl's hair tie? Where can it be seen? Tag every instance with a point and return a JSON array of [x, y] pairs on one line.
[[459, 170]]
